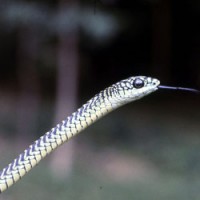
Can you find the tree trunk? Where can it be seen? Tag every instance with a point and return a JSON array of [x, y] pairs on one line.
[[161, 46], [29, 96], [66, 103]]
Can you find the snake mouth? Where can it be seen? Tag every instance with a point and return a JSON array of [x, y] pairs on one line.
[[178, 88]]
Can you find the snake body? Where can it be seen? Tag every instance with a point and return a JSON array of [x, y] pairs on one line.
[[107, 100]]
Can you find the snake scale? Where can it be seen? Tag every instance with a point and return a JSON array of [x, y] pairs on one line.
[[118, 94]]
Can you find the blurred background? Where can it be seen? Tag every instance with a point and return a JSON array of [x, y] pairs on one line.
[[56, 54]]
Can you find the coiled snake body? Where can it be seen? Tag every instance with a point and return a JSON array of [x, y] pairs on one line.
[[107, 100]]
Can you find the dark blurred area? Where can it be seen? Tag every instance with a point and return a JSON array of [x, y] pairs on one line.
[[55, 55]]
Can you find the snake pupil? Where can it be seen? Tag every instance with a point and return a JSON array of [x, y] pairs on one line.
[[138, 83]]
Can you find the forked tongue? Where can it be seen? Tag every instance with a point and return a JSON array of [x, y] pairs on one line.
[[178, 88]]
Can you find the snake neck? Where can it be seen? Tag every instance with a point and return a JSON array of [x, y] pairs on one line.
[[93, 110]]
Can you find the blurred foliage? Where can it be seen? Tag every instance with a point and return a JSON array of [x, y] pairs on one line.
[[160, 160], [114, 35]]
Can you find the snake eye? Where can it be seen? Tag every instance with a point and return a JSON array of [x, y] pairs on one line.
[[138, 83]]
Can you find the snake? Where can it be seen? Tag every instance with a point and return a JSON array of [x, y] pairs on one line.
[[107, 100]]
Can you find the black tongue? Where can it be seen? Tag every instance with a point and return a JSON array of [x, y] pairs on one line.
[[178, 88]]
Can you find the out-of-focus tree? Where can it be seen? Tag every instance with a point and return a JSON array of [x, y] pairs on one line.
[[28, 79], [67, 84], [161, 41]]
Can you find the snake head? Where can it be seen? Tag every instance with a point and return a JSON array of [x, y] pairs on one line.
[[135, 87]]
